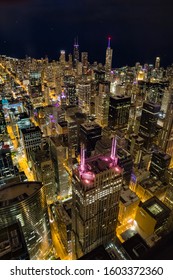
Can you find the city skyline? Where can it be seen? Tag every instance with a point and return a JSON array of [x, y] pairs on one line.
[[86, 149], [139, 31]]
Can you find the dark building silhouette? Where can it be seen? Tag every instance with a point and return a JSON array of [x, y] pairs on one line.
[[119, 108]]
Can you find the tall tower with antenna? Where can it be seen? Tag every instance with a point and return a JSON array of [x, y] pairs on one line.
[[75, 52], [108, 62], [96, 186]]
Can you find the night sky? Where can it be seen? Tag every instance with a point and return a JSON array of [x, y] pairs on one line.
[[140, 30]]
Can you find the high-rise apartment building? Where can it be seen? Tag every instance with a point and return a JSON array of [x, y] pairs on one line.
[[96, 186]]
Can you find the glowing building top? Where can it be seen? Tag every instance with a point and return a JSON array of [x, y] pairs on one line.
[[90, 168]]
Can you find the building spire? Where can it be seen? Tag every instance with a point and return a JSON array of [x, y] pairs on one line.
[[109, 42], [114, 150]]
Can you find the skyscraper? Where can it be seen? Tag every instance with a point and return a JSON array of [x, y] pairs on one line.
[[96, 186], [31, 138], [75, 52], [148, 122], [119, 108], [84, 60], [26, 202], [166, 136], [90, 133], [157, 63], [84, 96], [102, 104], [108, 62]]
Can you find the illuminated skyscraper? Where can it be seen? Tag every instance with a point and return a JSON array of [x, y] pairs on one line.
[[43, 171], [76, 52], [26, 202], [84, 60], [102, 104], [157, 63], [108, 62], [62, 58], [84, 96], [148, 122], [166, 137], [31, 138], [96, 186]]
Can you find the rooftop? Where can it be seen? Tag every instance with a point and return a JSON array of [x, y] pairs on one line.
[[154, 207], [12, 194], [90, 125], [127, 196]]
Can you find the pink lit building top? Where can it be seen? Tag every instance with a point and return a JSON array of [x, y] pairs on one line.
[[90, 168]]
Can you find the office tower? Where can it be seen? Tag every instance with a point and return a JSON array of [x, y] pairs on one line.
[[102, 104], [159, 164], [152, 217], [62, 58], [108, 62], [43, 171], [148, 122], [72, 139], [96, 186], [26, 202], [31, 138], [157, 63], [75, 53], [12, 243], [166, 136], [58, 152], [70, 89], [84, 96], [119, 108], [90, 133], [84, 60], [6, 164]]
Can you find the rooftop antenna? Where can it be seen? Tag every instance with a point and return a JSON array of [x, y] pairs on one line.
[[82, 158], [114, 149]]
